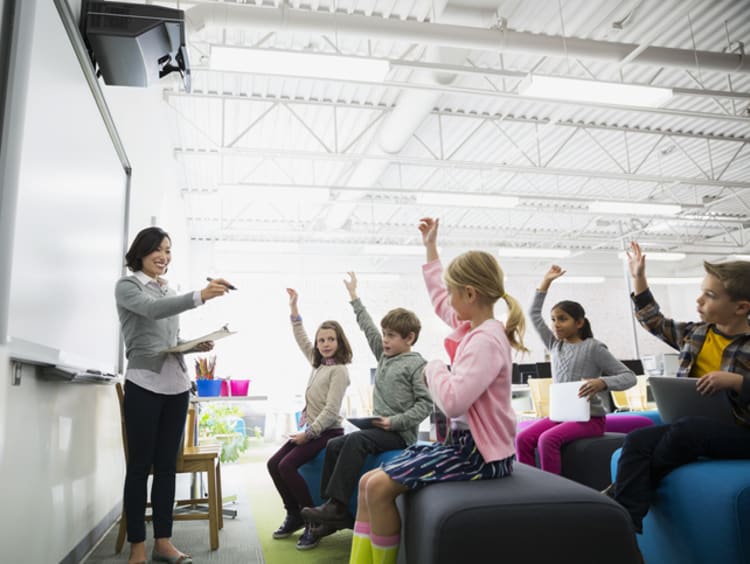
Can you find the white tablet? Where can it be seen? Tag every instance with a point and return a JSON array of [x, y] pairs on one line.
[[565, 405]]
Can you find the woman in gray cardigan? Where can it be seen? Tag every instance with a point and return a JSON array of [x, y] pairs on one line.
[[157, 388]]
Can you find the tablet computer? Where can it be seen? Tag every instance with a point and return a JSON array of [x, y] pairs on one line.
[[565, 405], [677, 397], [363, 422]]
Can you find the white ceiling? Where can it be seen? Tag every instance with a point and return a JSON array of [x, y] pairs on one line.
[[376, 146]]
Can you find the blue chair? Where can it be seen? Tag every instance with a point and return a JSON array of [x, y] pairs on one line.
[[700, 513], [312, 471]]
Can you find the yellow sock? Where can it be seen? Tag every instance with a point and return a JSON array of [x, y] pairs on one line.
[[384, 549], [361, 545]]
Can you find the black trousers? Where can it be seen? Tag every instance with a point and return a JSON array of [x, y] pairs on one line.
[[154, 425], [345, 457], [651, 453]]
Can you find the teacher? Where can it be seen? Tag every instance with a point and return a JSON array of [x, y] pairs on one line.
[[157, 388]]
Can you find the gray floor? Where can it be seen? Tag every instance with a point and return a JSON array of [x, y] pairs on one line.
[[238, 538]]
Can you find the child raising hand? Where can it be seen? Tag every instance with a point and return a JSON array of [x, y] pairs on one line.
[[575, 356], [475, 392]]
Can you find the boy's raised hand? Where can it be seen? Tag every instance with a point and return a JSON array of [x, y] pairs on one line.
[[636, 261], [351, 285]]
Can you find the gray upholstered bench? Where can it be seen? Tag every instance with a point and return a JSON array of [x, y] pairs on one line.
[[528, 518]]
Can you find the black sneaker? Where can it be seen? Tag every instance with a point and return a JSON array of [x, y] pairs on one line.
[[308, 539], [291, 524]]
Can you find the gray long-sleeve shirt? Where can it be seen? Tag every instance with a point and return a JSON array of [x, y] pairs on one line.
[[575, 361], [399, 393]]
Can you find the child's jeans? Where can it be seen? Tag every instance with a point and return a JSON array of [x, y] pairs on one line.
[[548, 437]]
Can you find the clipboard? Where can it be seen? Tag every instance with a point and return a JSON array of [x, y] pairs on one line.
[[188, 345]]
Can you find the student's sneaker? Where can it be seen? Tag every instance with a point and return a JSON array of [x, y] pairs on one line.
[[308, 539], [291, 524]]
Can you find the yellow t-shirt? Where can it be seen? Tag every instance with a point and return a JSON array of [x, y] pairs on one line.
[[709, 357]]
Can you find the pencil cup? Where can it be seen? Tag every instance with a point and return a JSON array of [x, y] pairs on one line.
[[208, 387], [239, 387], [224, 387]]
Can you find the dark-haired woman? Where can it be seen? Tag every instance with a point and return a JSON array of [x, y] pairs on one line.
[[156, 388], [575, 356]]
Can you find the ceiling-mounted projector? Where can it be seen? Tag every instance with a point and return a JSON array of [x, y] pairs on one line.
[[135, 44]]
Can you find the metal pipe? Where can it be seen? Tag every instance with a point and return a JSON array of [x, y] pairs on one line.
[[460, 36]]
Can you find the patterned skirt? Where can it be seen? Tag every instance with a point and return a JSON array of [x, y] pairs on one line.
[[458, 459]]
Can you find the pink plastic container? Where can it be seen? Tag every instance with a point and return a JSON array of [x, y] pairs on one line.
[[239, 387], [224, 388]]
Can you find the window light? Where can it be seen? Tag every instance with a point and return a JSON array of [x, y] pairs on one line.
[[524, 252], [595, 91], [313, 65], [656, 256], [634, 208]]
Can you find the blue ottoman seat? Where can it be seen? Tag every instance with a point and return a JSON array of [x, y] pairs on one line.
[[700, 513], [312, 471]]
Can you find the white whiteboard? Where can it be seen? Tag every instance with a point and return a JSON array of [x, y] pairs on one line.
[[71, 211]]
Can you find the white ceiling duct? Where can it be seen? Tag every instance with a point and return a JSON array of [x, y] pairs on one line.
[[459, 36]]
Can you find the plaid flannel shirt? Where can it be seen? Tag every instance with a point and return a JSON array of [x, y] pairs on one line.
[[688, 338]]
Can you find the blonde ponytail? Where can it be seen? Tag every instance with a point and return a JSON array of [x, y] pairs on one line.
[[515, 325]]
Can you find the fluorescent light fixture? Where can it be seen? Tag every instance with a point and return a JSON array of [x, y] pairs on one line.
[[595, 91], [634, 208], [277, 194], [312, 65], [401, 250], [467, 200], [523, 252], [675, 280], [581, 280], [256, 247], [656, 256]]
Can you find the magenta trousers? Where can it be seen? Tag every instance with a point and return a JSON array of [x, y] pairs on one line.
[[548, 437]]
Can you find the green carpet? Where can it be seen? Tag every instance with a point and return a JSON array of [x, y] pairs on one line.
[[268, 513]]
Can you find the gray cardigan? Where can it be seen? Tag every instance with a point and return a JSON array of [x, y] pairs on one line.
[[588, 359], [149, 322]]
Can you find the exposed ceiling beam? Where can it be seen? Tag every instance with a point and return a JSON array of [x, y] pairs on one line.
[[244, 16], [469, 165]]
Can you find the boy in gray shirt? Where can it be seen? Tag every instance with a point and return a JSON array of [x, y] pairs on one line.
[[400, 399]]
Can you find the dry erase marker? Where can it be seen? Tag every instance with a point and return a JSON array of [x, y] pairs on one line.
[[229, 286]]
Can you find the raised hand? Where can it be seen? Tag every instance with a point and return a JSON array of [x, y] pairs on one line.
[[636, 260], [553, 273], [428, 226], [351, 285], [293, 296], [637, 267]]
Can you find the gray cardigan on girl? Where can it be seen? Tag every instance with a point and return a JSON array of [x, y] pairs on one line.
[[588, 359]]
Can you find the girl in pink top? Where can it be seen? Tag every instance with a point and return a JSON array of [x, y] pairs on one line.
[[475, 393]]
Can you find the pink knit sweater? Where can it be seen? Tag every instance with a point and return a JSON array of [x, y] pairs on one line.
[[478, 383]]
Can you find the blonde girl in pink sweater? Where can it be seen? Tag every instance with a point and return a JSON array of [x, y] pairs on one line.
[[475, 393]]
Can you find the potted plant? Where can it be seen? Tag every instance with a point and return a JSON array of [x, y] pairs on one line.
[[220, 422]]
